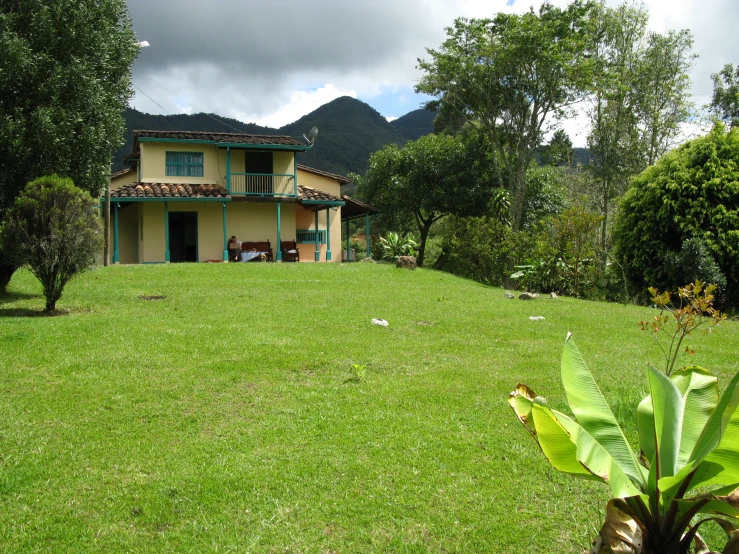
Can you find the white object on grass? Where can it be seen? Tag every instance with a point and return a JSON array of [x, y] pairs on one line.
[[536, 318], [380, 322]]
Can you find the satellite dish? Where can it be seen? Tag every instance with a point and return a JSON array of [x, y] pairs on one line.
[[311, 138]]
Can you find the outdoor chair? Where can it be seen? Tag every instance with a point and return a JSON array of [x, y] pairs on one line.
[[290, 252]]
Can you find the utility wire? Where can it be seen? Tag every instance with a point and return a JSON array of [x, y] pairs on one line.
[[241, 131], [150, 98]]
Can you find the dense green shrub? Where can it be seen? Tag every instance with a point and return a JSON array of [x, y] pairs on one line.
[[565, 256], [693, 263], [692, 191], [53, 229], [360, 249], [482, 248]]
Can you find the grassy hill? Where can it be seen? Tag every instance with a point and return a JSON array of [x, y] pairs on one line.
[[227, 417], [349, 131]]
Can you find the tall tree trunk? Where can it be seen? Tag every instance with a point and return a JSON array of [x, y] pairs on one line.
[[424, 226]]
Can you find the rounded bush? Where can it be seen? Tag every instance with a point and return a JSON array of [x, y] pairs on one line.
[[692, 192]]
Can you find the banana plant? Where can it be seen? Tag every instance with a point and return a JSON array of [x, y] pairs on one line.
[[689, 462]]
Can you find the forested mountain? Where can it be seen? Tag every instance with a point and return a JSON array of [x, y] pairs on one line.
[[349, 131], [415, 124]]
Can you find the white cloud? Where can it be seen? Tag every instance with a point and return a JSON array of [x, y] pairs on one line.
[[300, 103], [390, 118]]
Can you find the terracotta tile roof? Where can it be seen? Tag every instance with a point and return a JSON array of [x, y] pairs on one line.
[[354, 208], [121, 172], [343, 180], [166, 190], [309, 193], [241, 138]]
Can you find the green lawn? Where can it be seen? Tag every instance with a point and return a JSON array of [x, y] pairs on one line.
[[224, 418]]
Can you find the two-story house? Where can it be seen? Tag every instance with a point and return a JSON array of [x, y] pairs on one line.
[[186, 193]]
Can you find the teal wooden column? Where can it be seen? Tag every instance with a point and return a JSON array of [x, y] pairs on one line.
[[367, 234], [348, 242], [279, 236], [295, 174], [228, 172], [116, 255], [166, 232], [318, 251], [328, 234], [225, 234]]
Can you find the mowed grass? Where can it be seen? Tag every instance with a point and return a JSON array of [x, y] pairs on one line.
[[224, 417]]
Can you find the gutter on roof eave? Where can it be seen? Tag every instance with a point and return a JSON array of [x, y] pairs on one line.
[[322, 202], [293, 147]]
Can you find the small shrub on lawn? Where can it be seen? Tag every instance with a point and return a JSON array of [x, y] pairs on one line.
[[52, 228]]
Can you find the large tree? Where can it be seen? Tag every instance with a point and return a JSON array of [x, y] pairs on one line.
[[65, 78], [427, 179], [510, 76], [641, 96]]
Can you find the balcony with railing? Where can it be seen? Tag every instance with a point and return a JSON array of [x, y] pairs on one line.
[[262, 184]]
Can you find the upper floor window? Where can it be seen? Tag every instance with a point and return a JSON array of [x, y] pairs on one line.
[[184, 164]]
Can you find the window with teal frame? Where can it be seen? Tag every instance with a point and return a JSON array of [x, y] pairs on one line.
[[184, 164]]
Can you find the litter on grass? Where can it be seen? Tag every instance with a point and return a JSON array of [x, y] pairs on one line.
[[536, 318], [380, 322]]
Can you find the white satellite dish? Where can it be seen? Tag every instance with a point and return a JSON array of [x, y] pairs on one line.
[[311, 138]]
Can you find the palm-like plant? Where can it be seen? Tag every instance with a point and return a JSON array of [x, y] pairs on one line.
[[689, 438], [396, 245]]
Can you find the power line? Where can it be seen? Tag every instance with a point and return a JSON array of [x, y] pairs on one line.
[[189, 104], [150, 98], [427, 128]]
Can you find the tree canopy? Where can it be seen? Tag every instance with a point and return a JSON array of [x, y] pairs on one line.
[[692, 192], [427, 179], [65, 78], [725, 100], [509, 75]]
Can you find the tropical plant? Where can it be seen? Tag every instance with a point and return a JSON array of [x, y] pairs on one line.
[[693, 310], [689, 463], [53, 229], [396, 245]]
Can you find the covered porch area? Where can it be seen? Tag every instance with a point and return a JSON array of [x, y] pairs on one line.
[[353, 210]]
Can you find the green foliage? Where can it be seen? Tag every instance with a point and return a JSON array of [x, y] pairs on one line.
[[482, 248], [395, 245], [558, 151], [546, 194], [693, 310], [725, 100], [689, 439], [694, 262], [642, 96], [66, 78], [506, 76], [427, 179], [564, 259], [360, 249], [691, 192], [358, 371], [53, 229]]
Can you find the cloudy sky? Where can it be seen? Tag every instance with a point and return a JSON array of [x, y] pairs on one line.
[[273, 61]]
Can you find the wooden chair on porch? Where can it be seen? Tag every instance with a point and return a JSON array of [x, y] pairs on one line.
[[290, 252]]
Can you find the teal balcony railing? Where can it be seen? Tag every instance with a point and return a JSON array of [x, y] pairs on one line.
[[306, 236], [262, 184]]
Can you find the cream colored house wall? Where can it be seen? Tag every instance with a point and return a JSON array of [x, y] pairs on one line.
[[153, 163], [306, 219], [151, 248], [257, 221], [125, 179], [128, 234]]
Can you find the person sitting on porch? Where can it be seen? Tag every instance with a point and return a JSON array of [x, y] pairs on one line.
[[234, 249]]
